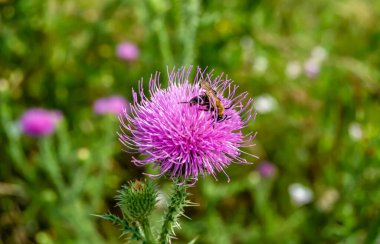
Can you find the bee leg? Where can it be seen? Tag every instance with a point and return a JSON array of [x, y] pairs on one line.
[[227, 117], [207, 108], [223, 118], [191, 104], [214, 122]]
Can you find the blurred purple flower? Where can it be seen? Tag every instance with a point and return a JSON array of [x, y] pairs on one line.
[[267, 169], [312, 68], [183, 140], [110, 105], [127, 51], [313, 64], [39, 122]]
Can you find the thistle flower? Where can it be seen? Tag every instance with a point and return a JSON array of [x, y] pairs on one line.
[[110, 105], [267, 169], [127, 51], [312, 67], [39, 122], [185, 140], [313, 64]]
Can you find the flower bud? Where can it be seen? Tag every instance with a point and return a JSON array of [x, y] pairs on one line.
[[137, 200]]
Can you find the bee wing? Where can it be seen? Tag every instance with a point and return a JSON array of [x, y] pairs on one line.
[[213, 100]]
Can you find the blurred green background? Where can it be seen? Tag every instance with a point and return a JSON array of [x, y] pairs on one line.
[[311, 66]]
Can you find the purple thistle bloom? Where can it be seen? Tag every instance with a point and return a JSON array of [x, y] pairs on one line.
[[39, 122], [127, 51], [267, 169], [110, 105], [185, 140], [312, 68]]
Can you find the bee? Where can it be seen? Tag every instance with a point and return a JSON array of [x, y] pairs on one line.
[[201, 100], [210, 100]]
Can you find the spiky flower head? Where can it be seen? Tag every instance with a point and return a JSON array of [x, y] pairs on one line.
[[39, 122], [186, 139], [110, 105], [137, 199]]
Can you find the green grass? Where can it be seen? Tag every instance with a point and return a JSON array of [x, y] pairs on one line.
[[61, 55]]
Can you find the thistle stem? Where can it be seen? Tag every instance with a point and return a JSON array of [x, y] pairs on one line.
[[50, 165], [149, 239], [175, 209]]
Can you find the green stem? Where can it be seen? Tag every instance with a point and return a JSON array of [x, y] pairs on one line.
[[14, 145], [49, 163], [163, 42], [175, 209], [188, 25], [149, 239]]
